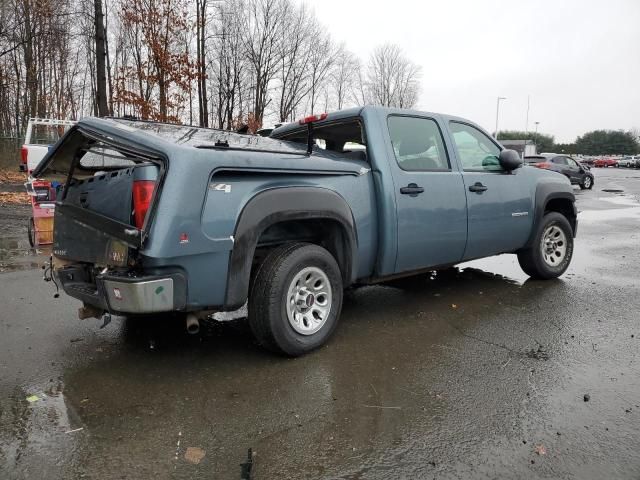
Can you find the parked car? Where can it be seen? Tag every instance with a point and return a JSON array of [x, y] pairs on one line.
[[569, 167], [162, 218], [605, 162], [629, 162]]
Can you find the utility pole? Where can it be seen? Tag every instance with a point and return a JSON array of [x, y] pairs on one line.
[[497, 114], [526, 122], [535, 138]]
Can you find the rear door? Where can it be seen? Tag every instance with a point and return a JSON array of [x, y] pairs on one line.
[[430, 200], [574, 170], [498, 202]]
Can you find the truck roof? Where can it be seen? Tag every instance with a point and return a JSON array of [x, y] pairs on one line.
[[157, 139], [200, 137], [359, 111]]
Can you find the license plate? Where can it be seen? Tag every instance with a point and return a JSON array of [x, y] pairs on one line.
[[118, 253]]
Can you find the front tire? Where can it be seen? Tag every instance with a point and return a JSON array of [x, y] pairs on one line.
[[552, 248], [296, 299]]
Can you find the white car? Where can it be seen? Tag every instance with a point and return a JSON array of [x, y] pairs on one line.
[[629, 162]]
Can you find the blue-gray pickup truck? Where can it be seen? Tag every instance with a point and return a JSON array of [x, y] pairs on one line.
[[158, 218]]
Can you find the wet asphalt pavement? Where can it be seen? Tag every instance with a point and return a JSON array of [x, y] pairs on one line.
[[476, 372]]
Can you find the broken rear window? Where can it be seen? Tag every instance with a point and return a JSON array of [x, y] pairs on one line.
[[344, 137]]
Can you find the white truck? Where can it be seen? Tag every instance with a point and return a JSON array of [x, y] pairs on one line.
[[40, 135]]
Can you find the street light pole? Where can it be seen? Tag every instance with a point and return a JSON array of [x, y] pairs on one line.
[[535, 137], [498, 113]]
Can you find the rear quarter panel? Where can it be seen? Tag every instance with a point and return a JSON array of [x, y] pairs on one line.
[[204, 195]]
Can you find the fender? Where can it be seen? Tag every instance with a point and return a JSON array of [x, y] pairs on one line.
[[278, 205], [546, 192]]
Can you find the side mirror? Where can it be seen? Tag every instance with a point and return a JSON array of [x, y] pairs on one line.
[[510, 160]]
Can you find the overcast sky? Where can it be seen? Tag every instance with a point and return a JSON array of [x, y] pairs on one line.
[[579, 60]]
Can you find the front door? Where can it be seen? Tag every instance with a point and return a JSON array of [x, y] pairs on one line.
[[498, 202], [430, 200]]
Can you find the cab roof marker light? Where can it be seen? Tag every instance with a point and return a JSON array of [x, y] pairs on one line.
[[313, 118]]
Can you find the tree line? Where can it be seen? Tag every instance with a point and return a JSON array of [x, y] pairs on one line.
[[597, 142], [223, 64]]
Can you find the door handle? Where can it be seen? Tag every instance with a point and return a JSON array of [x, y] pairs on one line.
[[411, 189], [477, 187]]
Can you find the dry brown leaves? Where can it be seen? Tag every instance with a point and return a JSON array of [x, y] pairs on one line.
[[14, 198], [11, 176]]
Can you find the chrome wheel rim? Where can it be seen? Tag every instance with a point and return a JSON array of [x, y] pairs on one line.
[[309, 300], [553, 246], [587, 182]]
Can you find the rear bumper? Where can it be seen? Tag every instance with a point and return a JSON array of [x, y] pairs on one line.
[[125, 294]]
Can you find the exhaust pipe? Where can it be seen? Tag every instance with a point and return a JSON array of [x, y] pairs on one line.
[[193, 324]]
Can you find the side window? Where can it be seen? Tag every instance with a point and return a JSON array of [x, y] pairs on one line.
[[560, 160], [417, 143], [475, 149]]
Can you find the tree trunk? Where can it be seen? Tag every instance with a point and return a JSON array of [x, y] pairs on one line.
[[203, 104], [101, 75]]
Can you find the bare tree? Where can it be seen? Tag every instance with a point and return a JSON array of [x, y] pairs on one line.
[[392, 80], [294, 70], [360, 93], [344, 76], [229, 66], [322, 60], [264, 47]]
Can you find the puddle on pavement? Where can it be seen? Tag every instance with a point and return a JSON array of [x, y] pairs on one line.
[[612, 214], [17, 254], [626, 200], [43, 426]]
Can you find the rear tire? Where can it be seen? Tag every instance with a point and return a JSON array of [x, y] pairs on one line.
[[551, 250], [31, 232], [587, 183], [296, 299]]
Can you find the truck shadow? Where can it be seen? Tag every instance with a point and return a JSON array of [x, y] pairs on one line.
[[462, 291]]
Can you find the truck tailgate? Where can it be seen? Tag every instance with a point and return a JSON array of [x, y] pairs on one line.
[[104, 208], [84, 221]]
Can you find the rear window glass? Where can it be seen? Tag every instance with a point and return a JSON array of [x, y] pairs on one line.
[[534, 159], [102, 157]]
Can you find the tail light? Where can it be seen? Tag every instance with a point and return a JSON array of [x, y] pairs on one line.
[[142, 193], [543, 165], [24, 153]]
